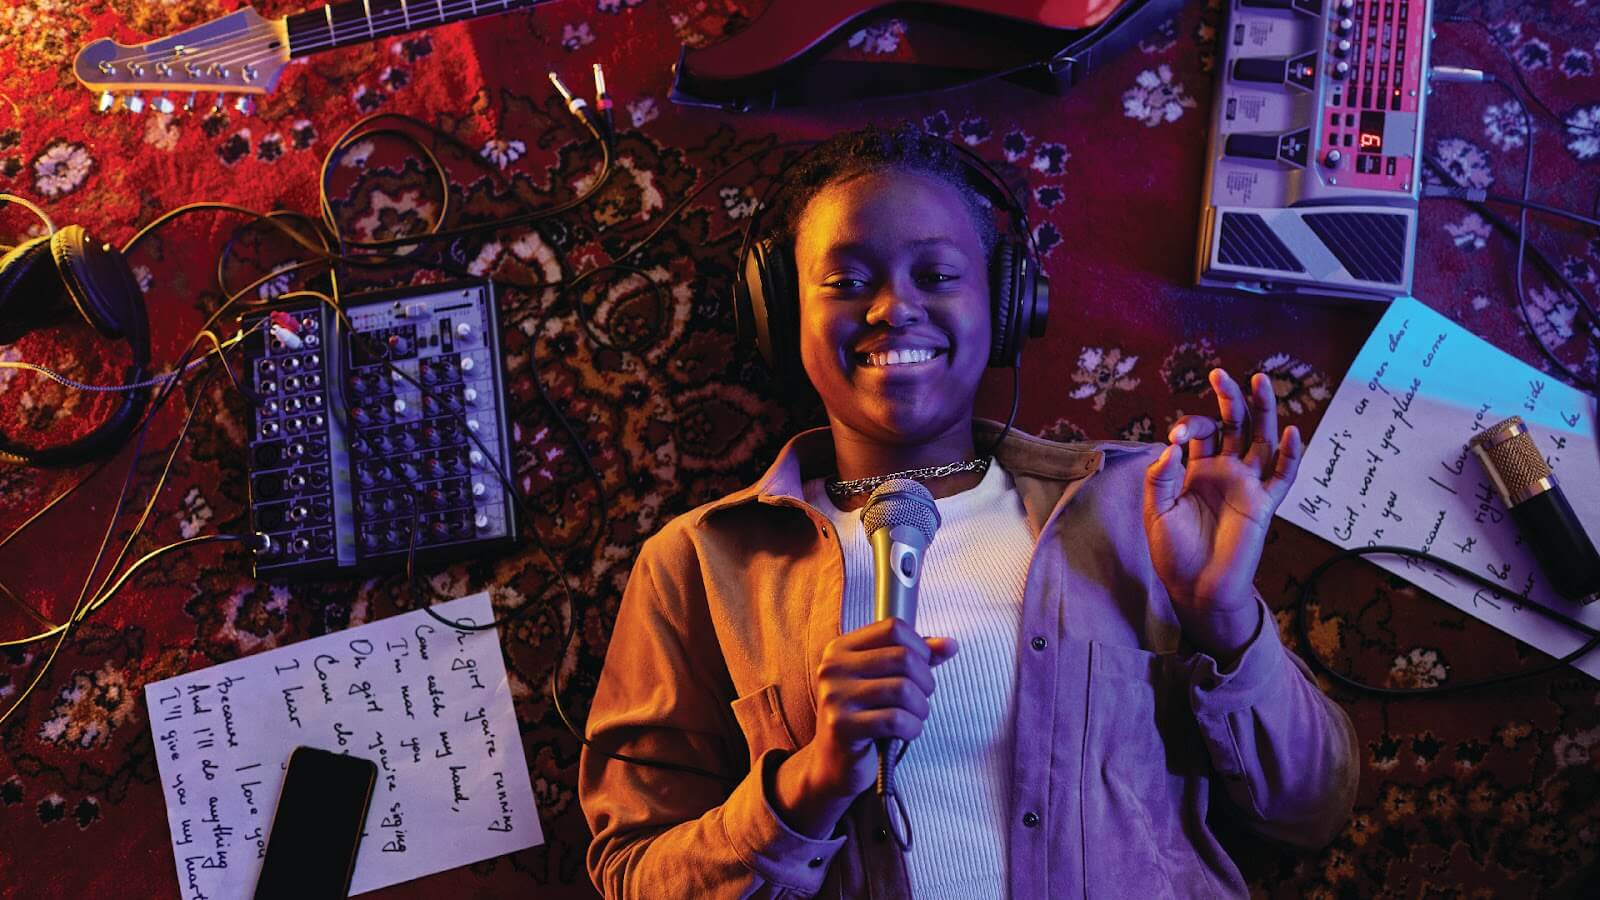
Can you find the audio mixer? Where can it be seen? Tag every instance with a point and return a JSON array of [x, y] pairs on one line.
[[1313, 170], [377, 439]]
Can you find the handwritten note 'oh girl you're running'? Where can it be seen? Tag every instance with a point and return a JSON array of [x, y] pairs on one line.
[[429, 704], [1390, 464]]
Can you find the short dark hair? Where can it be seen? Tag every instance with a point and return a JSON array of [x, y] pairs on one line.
[[870, 150]]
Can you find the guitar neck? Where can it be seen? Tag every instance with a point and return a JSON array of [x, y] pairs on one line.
[[359, 21]]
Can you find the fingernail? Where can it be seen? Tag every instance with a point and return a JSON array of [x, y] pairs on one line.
[[1179, 433]]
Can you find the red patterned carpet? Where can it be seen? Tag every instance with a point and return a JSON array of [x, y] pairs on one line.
[[1494, 794]]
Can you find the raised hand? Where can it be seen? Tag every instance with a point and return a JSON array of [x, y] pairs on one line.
[[1207, 518]]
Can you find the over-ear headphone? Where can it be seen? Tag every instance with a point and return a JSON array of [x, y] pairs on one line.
[[766, 290], [39, 279]]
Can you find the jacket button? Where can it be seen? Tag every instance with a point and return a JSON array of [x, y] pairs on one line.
[[824, 531], [1030, 819], [815, 863], [1039, 643], [881, 835]]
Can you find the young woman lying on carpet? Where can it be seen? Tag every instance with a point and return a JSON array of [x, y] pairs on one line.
[[1097, 659]]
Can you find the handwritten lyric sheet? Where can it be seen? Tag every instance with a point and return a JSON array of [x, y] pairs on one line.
[[429, 704], [1389, 464]]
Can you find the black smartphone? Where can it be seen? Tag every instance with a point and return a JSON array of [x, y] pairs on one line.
[[311, 851]]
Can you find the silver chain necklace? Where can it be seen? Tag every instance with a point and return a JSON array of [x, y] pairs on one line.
[[862, 485]]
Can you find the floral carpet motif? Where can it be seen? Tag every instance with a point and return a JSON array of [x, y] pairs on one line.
[[1493, 794]]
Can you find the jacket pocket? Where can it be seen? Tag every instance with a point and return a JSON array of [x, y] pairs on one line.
[[1140, 776], [760, 715]]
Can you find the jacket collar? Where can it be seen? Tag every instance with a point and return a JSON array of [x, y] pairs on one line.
[[809, 454]]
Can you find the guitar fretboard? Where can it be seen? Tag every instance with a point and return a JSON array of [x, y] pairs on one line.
[[359, 21]]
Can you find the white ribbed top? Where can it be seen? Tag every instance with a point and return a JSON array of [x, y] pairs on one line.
[[956, 779]]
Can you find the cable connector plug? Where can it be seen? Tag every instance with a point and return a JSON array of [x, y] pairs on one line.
[[1471, 195], [579, 108], [602, 101], [1458, 75]]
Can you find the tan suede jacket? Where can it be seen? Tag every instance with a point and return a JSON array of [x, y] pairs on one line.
[[1121, 729]]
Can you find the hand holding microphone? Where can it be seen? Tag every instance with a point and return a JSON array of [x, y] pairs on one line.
[[874, 683]]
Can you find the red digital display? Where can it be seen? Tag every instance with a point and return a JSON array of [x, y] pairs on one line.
[[1371, 131]]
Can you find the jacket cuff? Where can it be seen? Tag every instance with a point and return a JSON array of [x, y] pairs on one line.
[[1255, 675], [773, 850]]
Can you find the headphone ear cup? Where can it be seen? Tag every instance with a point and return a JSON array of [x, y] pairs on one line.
[[30, 289], [100, 284], [772, 296], [1007, 298]]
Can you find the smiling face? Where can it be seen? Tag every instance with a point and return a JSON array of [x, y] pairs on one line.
[[894, 306]]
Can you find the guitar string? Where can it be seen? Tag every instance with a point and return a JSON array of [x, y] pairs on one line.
[[348, 32]]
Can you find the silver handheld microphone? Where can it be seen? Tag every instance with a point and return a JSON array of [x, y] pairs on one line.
[[900, 518], [1529, 490]]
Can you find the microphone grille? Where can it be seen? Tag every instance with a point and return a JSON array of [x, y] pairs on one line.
[[1510, 453], [901, 501]]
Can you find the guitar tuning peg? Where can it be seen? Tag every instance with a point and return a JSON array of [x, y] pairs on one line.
[[162, 105], [216, 105], [188, 103], [108, 100], [134, 103], [245, 104]]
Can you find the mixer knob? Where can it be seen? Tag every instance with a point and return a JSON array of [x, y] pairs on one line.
[[294, 404], [1343, 47], [463, 331], [1333, 158], [466, 364], [478, 489], [435, 468], [314, 401], [408, 471], [430, 434], [360, 416], [472, 425], [269, 429], [364, 476], [1345, 6], [313, 381], [482, 521], [317, 421], [360, 448], [470, 395], [399, 345], [301, 545], [298, 513], [1341, 69], [475, 457], [297, 481], [389, 506], [382, 444], [1344, 26], [408, 441]]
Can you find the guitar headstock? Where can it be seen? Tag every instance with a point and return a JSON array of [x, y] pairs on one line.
[[239, 54]]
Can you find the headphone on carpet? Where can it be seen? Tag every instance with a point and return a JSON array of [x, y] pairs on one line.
[[39, 280], [766, 288]]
